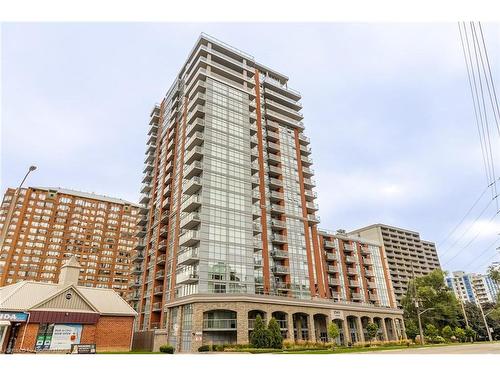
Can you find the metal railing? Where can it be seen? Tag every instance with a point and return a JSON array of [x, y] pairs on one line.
[[224, 324]]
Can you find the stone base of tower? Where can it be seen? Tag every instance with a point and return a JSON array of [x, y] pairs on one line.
[[229, 319]]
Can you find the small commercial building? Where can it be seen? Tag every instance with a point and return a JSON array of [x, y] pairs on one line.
[[41, 317]]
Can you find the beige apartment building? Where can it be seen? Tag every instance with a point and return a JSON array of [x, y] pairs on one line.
[[407, 254], [229, 226], [45, 226]]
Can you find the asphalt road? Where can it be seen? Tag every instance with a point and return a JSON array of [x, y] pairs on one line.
[[480, 348]]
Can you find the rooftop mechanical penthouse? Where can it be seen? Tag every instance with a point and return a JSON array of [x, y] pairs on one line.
[[230, 220]]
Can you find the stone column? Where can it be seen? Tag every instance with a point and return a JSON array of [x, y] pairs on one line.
[[393, 329], [403, 329], [178, 329], [289, 317], [311, 328], [299, 329], [197, 327], [347, 334], [384, 330], [359, 325], [242, 326]]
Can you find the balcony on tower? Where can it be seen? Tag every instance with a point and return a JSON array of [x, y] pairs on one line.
[[280, 270], [331, 256], [193, 169], [184, 277], [303, 139], [278, 224], [196, 139], [192, 203], [276, 208], [188, 255], [198, 125], [279, 254], [329, 244], [276, 196], [190, 221], [275, 183], [332, 269], [333, 281], [196, 153], [309, 183], [189, 238], [192, 185]]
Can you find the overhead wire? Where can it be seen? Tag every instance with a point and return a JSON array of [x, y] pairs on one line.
[[482, 88]]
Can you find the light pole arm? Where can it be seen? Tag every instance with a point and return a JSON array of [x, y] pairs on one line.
[[430, 308]]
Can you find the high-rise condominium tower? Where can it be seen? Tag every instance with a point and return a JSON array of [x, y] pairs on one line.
[[472, 287], [230, 216], [41, 227], [408, 255]]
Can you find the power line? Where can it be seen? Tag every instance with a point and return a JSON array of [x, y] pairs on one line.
[[495, 100], [484, 251], [468, 229], [471, 241], [443, 241]]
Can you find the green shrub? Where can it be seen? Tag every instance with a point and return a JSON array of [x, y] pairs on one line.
[[431, 331], [447, 333], [470, 333], [218, 348], [438, 340], [460, 334], [167, 349], [204, 348], [275, 337], [260, 337]]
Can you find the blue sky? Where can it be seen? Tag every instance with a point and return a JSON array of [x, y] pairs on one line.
[[386, 106]]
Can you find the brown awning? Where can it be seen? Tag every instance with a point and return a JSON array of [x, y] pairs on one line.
[[63, 317]]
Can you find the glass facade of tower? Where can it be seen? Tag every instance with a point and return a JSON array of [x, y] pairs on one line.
[[228, 201]]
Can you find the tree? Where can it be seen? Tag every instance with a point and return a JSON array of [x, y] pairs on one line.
[[470, 333], [494, 274], [476, 320], [371, 331], [275, 337], [432, 293], [447, 333], [431, 331], [260, 336], [460, 334], [333, 332], [411, 329]]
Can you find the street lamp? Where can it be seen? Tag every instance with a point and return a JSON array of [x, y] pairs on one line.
[[419, 313], [30, 169]]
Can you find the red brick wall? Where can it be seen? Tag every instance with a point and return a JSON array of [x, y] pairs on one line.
[[88, 334], [114, 333], [111, 333], [29, 337]]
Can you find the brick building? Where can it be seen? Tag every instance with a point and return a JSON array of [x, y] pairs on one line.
[[48, 225], [47, 317]]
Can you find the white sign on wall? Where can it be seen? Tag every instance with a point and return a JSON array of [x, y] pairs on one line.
[[64, 335], [336, 314]]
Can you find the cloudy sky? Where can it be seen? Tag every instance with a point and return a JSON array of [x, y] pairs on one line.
[[386, 106]]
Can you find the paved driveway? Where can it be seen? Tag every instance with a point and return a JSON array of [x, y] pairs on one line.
[[480, 348]]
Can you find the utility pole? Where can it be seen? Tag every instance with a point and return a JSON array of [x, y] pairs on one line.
[[482, 312], [417, 306], [463, 311], [422, 342]]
